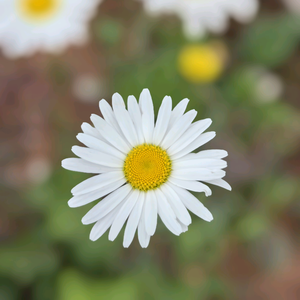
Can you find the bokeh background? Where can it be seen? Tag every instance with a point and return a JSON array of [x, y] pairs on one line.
[[250, 251]]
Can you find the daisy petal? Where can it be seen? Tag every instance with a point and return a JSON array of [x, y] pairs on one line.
[[103, 224], [166, 213], [178, 129], [81, 200], [97, 157], [133, 221], [216, 154], [109, 116], [80, 165], [194, 186], [135, 114], [147, 109], [186, 157], [163, 118], [110, 134], [97, 144], [106, 205], [178, 112], [143, 236], [198, 142], [219, 182], [184, 227], [90, 130], [124, 120], [190, 135], [151, 213], [97, 182], [200, 163], [179, 209], [193, 204], [197, 174], [123, 214]]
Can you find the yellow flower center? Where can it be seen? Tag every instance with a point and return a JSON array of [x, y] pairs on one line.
[[200, 63], [147, 167], [37, 10]]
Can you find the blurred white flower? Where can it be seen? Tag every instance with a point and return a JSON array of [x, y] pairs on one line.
[[269, 87], [27, 26], [145, 168], [87, 88], [293, 5], [38, 170], [200, 16]]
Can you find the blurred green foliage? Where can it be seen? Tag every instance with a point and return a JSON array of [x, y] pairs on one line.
[[271, 41]]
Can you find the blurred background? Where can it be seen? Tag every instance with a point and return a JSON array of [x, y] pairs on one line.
[[249, 85]]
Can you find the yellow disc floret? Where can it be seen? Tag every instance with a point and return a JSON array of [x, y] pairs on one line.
[[147, 167], [200, 63], [37, 10]]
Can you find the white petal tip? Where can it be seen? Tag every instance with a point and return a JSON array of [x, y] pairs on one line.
[[209, 218], [208, 193], [208, 121], [126, 243], [84, 221], [112, 236], [188, 223], [63, 163], [93, 117], [71, 204], [225, 185], [74, 148]]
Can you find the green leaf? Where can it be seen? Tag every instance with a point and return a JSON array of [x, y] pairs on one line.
[[272, 40]]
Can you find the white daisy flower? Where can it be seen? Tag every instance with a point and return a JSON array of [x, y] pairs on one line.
[[48, 25], [145, 168], [293, 6], [199, 16]]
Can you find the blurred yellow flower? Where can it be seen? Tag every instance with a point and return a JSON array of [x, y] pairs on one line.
[[37, 9], [201, 63]]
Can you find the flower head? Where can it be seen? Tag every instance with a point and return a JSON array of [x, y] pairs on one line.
[[145, 168], [199, 16], [27, 26], [201, 63]]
